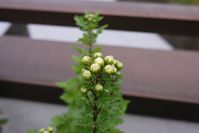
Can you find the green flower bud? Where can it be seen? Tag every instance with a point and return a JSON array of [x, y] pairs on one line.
[[118, 73], [89, 16], [97, 54], [41, 130], [86, 74], [83, 69], [119, 65], [95, 67], [90, 19], [46, 131], [86, 60], [50, 129], [94, 20], [84, 90], [109, 69], [107, 91], [114, 69], [99, 61], [98, 87], [114, 62], [109, 59]]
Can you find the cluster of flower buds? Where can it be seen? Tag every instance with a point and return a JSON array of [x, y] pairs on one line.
[[47, 130], [90, 17], [96, 65]]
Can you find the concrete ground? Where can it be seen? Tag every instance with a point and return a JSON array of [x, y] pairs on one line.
[[24, 115]]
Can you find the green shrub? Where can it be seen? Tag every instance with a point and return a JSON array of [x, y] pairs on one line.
[[95, 103]]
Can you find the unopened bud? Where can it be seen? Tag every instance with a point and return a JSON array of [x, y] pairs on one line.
[[41, 130], [114, 70], [95, 68], [86, 74], [97, 54], [89, 16], [86, 60], [89, 19], [98, 87], [50, 129], [118, 73], [99, 61], [109, 59], [109, 69], [84, 90], [107, 91], [119, 65], [83, 69], [114, 62]]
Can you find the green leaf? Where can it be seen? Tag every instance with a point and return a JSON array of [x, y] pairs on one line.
[[79, 21], [61, 84], [3, 121], [97, 49], [77, 58], [100, 29], [85, 39], [80, 50]]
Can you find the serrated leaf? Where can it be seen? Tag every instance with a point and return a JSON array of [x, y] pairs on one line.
[[80, 50], [97, 49], [101, 28], [61, 84], [77, 59], [85, 39]]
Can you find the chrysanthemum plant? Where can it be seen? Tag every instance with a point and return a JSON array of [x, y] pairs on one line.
[[95, 103]]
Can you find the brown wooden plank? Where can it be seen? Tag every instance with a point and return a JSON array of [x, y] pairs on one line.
[[165, 75], [163, 18]]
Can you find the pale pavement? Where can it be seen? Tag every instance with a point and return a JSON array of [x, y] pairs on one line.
[[23, 115]]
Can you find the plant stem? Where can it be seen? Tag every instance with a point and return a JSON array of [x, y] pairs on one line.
[[95, 109], [90, 45], [90, 49], [95, 115]]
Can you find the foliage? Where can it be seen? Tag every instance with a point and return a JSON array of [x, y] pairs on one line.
[[185, 1], [95, 103], [2, 122], [42, 130]]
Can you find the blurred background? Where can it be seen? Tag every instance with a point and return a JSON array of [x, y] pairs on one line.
[[156, 39]]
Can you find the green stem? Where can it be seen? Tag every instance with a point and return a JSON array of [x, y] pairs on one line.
[[90, 44], [95, 109], [95, 115], [90, 50]]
